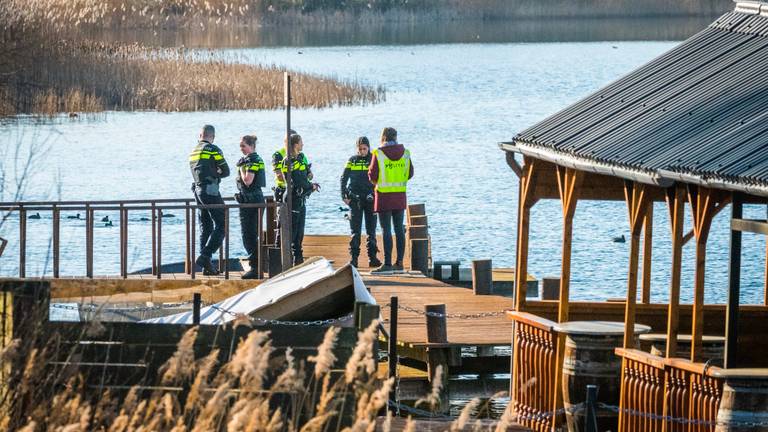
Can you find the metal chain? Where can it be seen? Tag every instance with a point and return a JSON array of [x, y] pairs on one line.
[[682, 420], [324, 322], [92, 307], [452, 316]]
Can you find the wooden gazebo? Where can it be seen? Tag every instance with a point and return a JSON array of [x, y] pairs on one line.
[[688, 129]]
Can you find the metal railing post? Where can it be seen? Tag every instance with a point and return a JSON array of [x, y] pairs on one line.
[[589, 412], [159, 243], [154, 239], [193, 242], [226, 243], [89, 214], [22, 242], [123, 242], [187, 260], [56, 214], [259, 243]]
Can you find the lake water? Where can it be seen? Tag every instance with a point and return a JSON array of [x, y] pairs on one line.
[[451, 103]]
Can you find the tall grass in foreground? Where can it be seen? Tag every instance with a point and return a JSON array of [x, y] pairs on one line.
[[256, 390], [46, 67]]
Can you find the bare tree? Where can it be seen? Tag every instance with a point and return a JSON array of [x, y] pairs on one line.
[[18, 163]]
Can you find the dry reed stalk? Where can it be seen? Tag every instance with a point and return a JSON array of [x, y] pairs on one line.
[[362, 355], [240, 402], [214, 410], [410, 425], [465, 415], [204, 369], [433, 398], [325, 357], [179, 367], [507, 418]]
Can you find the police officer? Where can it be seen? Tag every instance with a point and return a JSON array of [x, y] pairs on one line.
[[208, 168], [277, 168], [357, 193], [302, 188], [390, 170], [251, 178]]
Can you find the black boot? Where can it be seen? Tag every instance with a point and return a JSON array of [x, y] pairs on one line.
[[205, 263], [251, 273], [374, 262], [353, 262]]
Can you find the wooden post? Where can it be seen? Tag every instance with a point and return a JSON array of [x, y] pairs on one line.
[[196, 303], [418, 231], [392, 351], [286, 215], [482, 277], [415, 210], [675, 196], [734, 288], [568, 185], [526, 200], [437, 328], [637, 200], [550, 288], [568, 182], [703, 201], [437, 333], [420, 255], [647, 254], [271, 238]]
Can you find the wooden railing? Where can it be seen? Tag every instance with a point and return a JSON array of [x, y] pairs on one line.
[[642, 391], [670, 395], [534, 361]]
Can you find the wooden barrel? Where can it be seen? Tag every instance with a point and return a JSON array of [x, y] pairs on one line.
[[744, 404], [712, 347], [590, 359]]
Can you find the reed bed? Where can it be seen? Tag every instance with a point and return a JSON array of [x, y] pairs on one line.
[[47, 66], [257, 390]]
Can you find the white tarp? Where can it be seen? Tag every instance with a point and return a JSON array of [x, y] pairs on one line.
[[271, 291]]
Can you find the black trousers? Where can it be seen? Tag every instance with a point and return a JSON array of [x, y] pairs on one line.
[[211, 224], [298, 221], [389, 220], [359, 210], [249, 228]]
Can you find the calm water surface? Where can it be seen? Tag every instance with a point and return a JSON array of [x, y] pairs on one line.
[[451, 103]]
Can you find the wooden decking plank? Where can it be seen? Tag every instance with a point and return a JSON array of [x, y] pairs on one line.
[[415, 292], [438, 425]]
